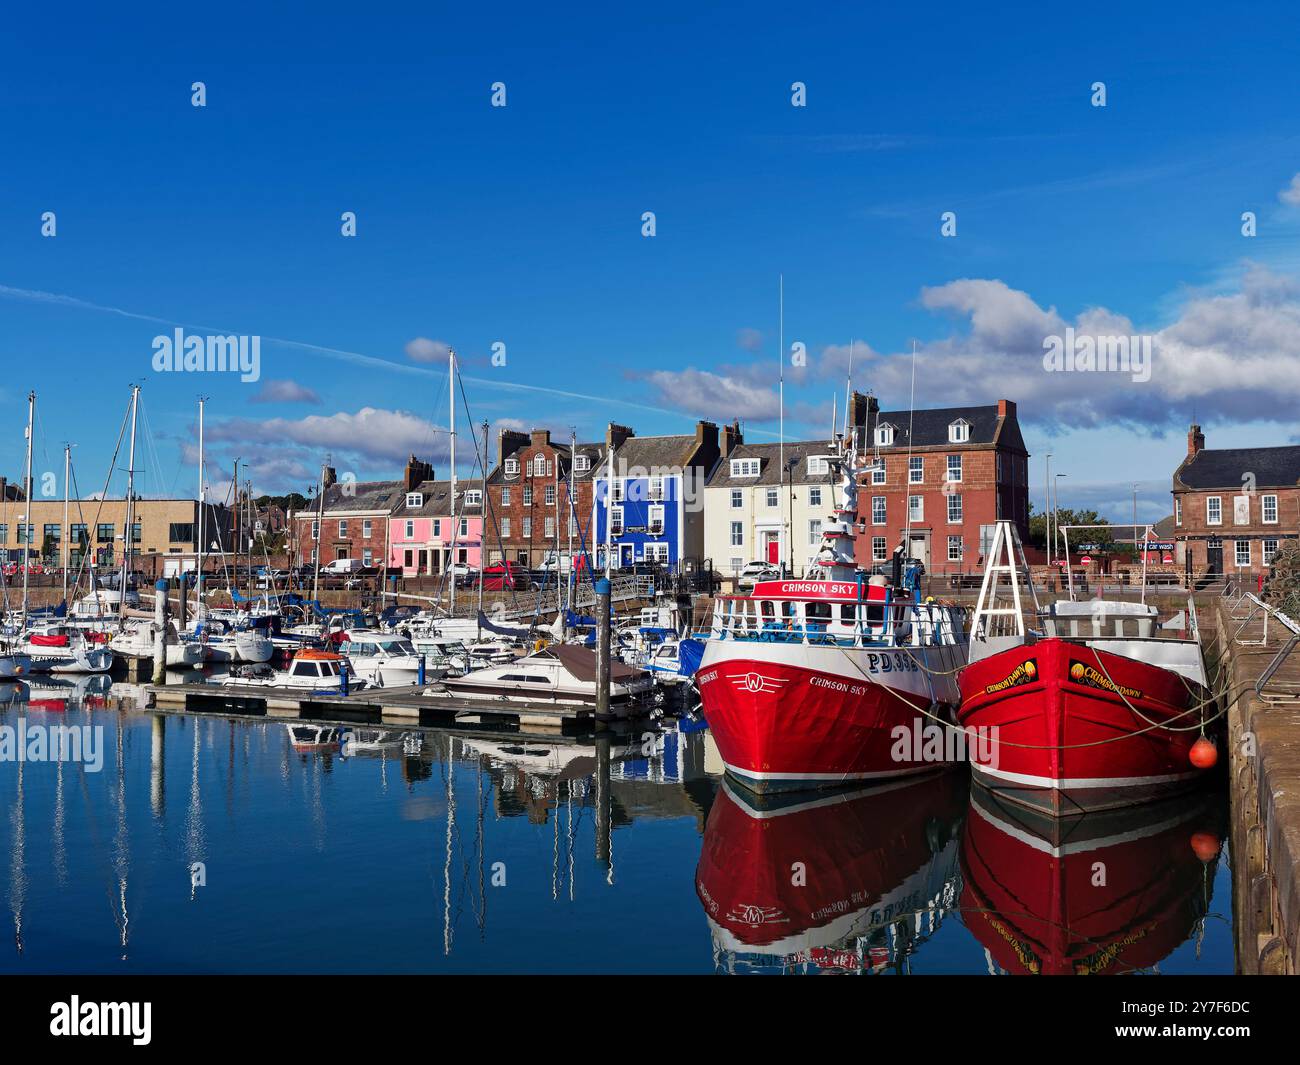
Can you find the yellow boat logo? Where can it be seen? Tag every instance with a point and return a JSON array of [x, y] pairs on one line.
[[1095, 678], [1025, 673]]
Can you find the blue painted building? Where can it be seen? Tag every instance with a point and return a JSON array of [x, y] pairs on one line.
[[651, 510]]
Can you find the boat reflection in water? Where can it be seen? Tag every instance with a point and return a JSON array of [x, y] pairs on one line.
[[852, 881], [1107, 892]]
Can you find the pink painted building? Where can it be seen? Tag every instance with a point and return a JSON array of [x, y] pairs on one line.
[[421, 535]]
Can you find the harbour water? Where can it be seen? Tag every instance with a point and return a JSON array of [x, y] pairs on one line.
[[214, 845]]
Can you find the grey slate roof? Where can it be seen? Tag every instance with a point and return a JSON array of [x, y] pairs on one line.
[[595, 454], [437, 500], [360, 495], [653, 452], [770, 468], [930, 427], [1272, 467]]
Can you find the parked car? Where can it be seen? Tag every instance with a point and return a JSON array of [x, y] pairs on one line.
[[341, 567], [504, 576], [755, 572], [463, 572]]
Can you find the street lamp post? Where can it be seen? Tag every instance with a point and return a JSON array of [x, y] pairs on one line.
[[1056, 506]]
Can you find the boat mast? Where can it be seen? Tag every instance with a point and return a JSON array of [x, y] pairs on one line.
[[63, 535], [127, 540], [573, 458], [451, 425], [27, 499], [482, 533], [320, 530], [609, 509], [559, 596], [785, 532], [198, 558]]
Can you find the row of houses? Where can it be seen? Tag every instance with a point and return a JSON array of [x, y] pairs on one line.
[[938, 480]]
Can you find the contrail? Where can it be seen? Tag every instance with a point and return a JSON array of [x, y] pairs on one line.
[[355, 357]]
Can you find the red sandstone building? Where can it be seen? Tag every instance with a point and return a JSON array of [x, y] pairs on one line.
[[939, 481], [1234, 507]]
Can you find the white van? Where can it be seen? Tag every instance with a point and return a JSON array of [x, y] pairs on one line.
[[342, 565]]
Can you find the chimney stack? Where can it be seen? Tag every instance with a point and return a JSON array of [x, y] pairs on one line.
[[509, 440], [1195, 440], [617, 435], [732, 437]]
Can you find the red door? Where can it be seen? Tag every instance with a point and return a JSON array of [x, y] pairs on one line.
[[773, 549]]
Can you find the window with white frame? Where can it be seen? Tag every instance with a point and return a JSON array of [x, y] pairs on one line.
[[737, 499], [464, 527], [315, 530], [616, 488], [879, 552], [511, 467], [1241, 554], [367, 557], [954, 468], [550, 495], [959, 431], [505, 496], [954, 510], [884, 435], [656, 487], [474, 496], [541, 466], [573, 525], [1268, 508], [414, 500], [367, 528], [437, 528], [771, 497], [744, 467], [815, 531], [1270, 549], [343, 528], [915, 508], [955, 547], [505, 528], [818, 464], [527, 528], [656, 552], [737, 563], [528, 495], [616, 521], [737, 534], [656, 520], [581, 463], [1178, 510], [549, 526], [878, 472], [878, 510], [410, 531], [815, 496], [915, 469], [1213, 510]]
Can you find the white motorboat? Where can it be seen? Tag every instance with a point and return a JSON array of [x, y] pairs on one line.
[[224, 643], [561, 673], [139, 640], [382, 660], [53, 647], [310, 670], [13, 664], [304, 737]]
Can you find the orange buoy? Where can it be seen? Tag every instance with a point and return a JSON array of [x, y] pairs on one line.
[[1203, 754], [1205, 846]]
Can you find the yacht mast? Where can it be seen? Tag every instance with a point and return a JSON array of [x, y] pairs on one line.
[[320, 531], [26, 538], [63, 533], [198, 559], [482, 535], [127, 539], [451, 425]]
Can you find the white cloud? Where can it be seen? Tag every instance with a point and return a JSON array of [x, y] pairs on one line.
[[284, 392], [388, 436], [422, 349], [1291, 194]]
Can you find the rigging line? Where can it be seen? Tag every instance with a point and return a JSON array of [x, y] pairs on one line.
[[88, 555], [487, 509]]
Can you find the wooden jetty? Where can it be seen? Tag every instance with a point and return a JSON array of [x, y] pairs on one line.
[[405, 705]]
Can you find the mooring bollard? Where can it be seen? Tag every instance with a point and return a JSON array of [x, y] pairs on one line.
[[160, 604], [602, 648], [419, 671]]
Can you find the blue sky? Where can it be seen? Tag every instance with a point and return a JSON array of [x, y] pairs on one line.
[[522, 224]]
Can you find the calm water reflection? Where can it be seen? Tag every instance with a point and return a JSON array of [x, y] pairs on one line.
[[416, 851]]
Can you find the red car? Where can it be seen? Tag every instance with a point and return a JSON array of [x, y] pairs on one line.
[[505, 576]]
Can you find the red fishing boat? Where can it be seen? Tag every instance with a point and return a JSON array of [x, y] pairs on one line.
[[1093, 705], [840, 678], [852, 881], [1112, 892]]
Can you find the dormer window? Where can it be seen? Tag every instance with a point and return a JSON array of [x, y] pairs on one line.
[[414, 500], [959, 431], [473, 497], [581, 463], [885, 435], [512, 467], [744, 467], [818, 464]]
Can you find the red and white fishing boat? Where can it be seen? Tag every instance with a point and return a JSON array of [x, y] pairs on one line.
[[1097, 705], [836, 679]]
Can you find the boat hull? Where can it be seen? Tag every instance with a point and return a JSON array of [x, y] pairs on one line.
[[798, 717], [1068, 728]]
